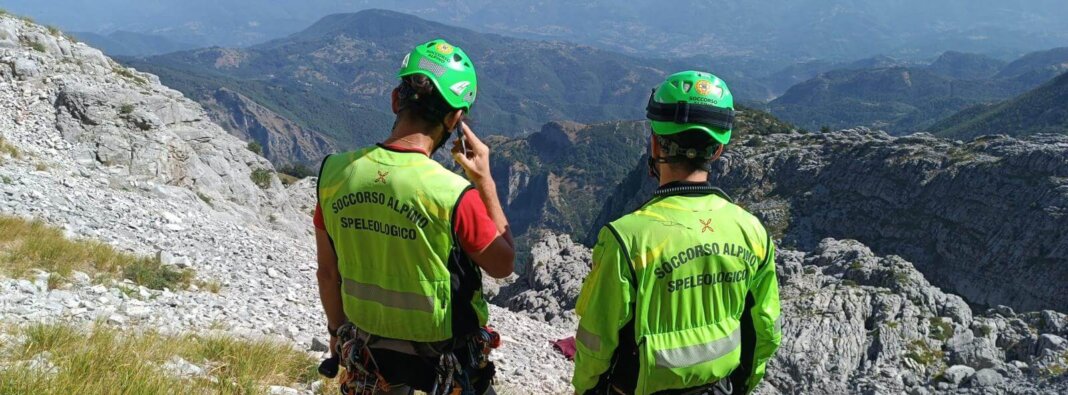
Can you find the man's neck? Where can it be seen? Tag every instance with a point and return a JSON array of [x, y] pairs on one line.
[[410, 136], [667, 176]]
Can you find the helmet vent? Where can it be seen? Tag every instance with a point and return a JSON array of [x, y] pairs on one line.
[[456, 58], [431, 67], [431, 44], [686, 87]]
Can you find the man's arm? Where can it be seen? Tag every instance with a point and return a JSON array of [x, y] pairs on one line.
[[605, 306], [329, 283], [498, 258], [761, 326]]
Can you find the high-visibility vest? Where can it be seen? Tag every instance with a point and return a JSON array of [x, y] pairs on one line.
[[390, 218], [692, 260]]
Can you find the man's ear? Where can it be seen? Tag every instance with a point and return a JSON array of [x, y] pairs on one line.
[[453, 119], [395, 100]]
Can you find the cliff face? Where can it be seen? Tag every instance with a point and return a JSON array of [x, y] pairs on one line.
[[984, 219], [283, 141]]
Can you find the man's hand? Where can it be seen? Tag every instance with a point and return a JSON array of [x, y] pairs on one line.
[[477, 161], [333, 346]]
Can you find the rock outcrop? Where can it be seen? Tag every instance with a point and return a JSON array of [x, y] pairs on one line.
[[547, 286], [892, 332], [73, 108], [984, 219], [283, 141]]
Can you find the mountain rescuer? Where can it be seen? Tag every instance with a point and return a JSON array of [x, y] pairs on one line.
[[683, 297], [401, 241]]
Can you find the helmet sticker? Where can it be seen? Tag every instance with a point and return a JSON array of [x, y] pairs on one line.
[[459, 87], [444, 48], [705, 87]]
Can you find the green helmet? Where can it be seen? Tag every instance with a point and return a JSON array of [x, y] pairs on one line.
[[448, 67], [692, 100]]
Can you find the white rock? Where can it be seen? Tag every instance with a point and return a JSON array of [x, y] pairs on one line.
[[279, 390], [117, 319], [178, 367]]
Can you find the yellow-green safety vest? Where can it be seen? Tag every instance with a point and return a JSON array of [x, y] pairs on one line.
[[390, 218], [694, 274]]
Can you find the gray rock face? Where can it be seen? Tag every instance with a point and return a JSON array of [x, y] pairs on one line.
[[984, 219], [73, 108], [283, 141], [547, 286], [891, 331]]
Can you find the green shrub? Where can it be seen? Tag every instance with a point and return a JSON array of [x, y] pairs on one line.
[[8, 149], [127, 74], [940, 330], [261, 177], [924, 354], [255, 147], [38, 47], [205, 198], [153, 274], [297, 170]]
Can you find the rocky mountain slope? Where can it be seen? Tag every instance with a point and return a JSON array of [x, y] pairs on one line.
[[109, 154], [903, 99], [283, 141], [966, 66], [1042, 110], [984, 219]]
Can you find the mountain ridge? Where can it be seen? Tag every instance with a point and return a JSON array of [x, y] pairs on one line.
[[1041, 110], [910, 98]]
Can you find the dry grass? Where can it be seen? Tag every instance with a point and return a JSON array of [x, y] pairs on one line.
[[27, 245], [103, 360], [6, 149]]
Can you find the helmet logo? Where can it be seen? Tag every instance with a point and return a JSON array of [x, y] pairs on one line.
[[705, 87], [404, 63], [458, 88], [444, 48]]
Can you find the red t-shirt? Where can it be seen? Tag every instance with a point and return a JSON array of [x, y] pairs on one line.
[[473, 226]]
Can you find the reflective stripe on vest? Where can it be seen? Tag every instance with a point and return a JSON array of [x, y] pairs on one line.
[[385, 297], [699, 353], [588, 339]]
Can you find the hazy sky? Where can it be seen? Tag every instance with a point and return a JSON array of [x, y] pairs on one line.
[[815, 28]]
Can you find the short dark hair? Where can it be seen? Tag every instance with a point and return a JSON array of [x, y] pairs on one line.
[[693, 149], [420, 98]]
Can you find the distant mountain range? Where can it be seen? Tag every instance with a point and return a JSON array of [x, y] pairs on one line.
[[906, 98], [334, 78], [1042, 110], [123, 43]]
